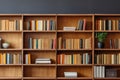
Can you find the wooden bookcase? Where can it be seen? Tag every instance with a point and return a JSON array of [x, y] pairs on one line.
[[69, 51]]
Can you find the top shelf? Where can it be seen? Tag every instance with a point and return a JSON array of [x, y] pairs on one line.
[[107, 31]]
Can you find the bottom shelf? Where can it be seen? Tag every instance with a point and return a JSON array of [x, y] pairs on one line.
[[110, 78], [10, 72], [10, 78], [82, 72], [39, 72], [39, 78]]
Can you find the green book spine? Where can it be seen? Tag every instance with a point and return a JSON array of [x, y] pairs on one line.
[[36, 43]]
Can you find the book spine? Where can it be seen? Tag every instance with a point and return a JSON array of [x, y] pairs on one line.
[[30, 43]]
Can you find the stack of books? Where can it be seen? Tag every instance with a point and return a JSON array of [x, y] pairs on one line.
[[70, 74], [43, 61], [69, 28]]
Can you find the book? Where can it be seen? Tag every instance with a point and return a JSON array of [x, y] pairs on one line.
[[28, 25], [33, 27], [70, 74], [80, 25], [0, 42], [43, 62], [42, 59], [30, 45], [69, 28], [111, 72]]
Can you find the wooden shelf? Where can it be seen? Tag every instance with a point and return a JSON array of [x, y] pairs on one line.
[[39, 49], [76, 31], [28, 31], [74, 49], [107, 64], [10, 78], [12, 49], [75, 15], [39, 65], [75, 78], [10, 64], [39, 78], [111, 78], [84, 65], [111, 31], [51, 43], [34, 15], [107, 49], [17, 31]]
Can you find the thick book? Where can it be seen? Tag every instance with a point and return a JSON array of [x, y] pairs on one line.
[[33, 27], [28, 25], [111, 72], [70, 74], [80, 24], [69, 28], [42, 59], [43, 62], [30, 45], [118, 24]]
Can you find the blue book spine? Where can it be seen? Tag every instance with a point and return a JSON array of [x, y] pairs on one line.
[[30, 43], [8, 58]]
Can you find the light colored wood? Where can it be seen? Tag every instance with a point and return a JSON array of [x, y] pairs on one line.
[[39, 78], [85, 71], [74, 65], [10, 78], [37, 71], [72, 21], [38, 36], [10, 49], [10, 71], [42, 54], [54, 71], [15, 39], [74, 49], [75, 35], [38, 17], [76, 31], [39, 64], [78, 78], [28, 31]]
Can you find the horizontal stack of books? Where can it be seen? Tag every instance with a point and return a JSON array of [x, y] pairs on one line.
[[43, 61], [69, 28], [70, 74]]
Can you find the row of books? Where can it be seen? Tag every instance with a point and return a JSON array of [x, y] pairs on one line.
[[40, 25], [107, 24], [99, 71], [102, 58], [81, 26], [42, 43], [43, 61], [102, 72], [84, 58], [74, 43], [28, 58], [11, 25], [10, 58], [114, 43]]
